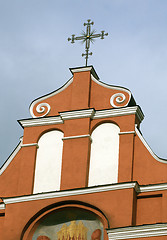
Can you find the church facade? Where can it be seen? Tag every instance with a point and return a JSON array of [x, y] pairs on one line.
[[82, 170]]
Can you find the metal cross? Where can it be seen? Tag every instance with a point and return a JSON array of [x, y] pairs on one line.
[[87, 37]]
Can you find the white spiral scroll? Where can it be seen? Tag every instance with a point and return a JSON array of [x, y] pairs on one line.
[[119, 98], [43, 108]]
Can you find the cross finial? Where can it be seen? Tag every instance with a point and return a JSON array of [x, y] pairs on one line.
[[87, 37]]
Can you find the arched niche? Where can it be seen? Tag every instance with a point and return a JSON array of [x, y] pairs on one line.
[[48, 162], [104, 154], [70, 224], [67, 218]]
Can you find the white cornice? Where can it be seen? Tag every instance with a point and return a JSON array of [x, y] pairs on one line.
[[153, 188], [74, 192], [86, 113], [41, 121], [2, 206], [88, 190], [148, 147], [152, 230], [119, 112], [139, 114], [81, 69], [85, 69]]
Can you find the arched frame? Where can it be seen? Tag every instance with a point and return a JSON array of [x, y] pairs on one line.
[[34, 221]]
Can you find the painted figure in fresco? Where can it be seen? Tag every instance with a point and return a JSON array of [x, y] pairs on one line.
[[75, 231], [43, 238], [96, 235]]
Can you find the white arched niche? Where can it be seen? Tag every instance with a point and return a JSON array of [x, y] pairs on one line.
[[48, 162], [104, 153]]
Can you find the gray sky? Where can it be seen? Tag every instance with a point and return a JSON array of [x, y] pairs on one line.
[[35, 57]]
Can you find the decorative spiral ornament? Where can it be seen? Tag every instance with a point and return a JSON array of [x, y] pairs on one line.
[[43, 108], [118, 98]]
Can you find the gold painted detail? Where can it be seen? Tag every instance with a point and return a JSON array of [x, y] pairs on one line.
[[73, 232]]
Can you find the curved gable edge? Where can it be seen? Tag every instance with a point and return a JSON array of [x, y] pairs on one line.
[[131, 101], [110, 86], [48, 96], [10, 158], [162, 160]]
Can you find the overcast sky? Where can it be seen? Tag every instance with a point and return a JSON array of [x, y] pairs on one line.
[[35, 57]]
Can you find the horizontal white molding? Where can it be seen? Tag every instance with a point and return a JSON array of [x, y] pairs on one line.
[[153, 188], [81, 69], [148, 147], [78, 136], [41, 121], [29, 145], [86, 113], [74, 192], [2, 206], [130, 132], [151, 230], [85, 69], [119, 112], [88, 190]]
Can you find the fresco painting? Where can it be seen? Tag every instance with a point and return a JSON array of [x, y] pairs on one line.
[[69, 224]]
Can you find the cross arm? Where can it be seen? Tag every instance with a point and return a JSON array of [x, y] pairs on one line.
[[80, 38], [73, 38], [102, 34]]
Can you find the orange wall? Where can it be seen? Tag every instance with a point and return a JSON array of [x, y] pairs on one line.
[[121, 207]]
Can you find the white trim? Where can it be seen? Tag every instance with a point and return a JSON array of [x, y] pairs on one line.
[[8, 161], [78, 136], [41, 121], [43, 108], [148, 147], [2, 206], [72, 192], [139, 114], [85, 69], [48, 96], [119, 112], [130, 132], [86, 113], [119, 98], [111, 87], [80, 69], [151, 230], [29, 145], [89, 190], [153, 188]]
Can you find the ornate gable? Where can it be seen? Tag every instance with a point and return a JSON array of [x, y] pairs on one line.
[[99, 95]]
